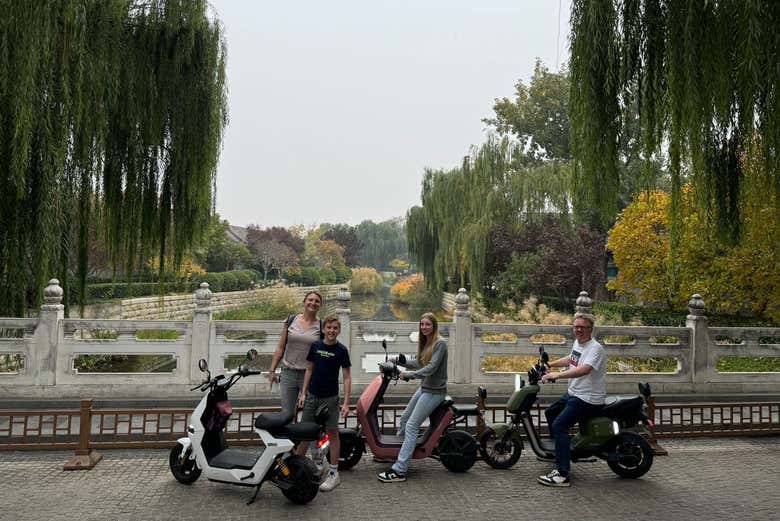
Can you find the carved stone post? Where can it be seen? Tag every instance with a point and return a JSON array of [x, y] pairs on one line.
[[201, 332], [460, 347], [696, 321], [343, 299], [47, 335], [584, 304]]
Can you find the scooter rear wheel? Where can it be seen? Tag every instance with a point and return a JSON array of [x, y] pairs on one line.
[[457, 451], [352, 449], [185, 471], [633, 456], [304, 479]]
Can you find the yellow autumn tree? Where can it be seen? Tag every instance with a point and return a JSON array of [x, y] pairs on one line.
[[730, 278]]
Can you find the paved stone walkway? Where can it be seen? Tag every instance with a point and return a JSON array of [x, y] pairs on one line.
[[718, 479]]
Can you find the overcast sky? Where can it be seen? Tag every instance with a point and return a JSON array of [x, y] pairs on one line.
[[336, 108]]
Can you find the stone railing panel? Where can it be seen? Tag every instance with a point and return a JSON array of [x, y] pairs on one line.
[[222, 346], [719, 345], [525, 345], [72, 346], [12, 345]]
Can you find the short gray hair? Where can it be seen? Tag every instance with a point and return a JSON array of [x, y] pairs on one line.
[[585, 316]]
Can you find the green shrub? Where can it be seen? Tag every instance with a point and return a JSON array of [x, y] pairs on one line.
[[365, 281], [343, 274], [214, 281], [229, 281], [327, 275]]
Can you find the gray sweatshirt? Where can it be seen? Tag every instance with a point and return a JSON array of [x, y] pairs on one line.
[[434, 374]]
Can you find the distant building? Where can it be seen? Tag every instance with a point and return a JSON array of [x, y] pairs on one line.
[[237, 234]]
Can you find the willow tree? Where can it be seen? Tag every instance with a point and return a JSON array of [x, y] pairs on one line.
[[448, 235], [706, 77], [110, 110]]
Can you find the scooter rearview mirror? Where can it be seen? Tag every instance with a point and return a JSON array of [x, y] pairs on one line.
[[203, 365], [384, 346], [251, 355], [545, 357]]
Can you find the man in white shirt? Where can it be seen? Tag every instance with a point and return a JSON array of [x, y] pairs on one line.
[[587, 371]]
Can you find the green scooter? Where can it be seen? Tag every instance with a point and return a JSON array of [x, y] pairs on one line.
[[614, 435]]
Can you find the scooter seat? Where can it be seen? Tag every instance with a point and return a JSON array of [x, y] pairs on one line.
[[465, 410], [302, 431], [619, 405], [272, 420]]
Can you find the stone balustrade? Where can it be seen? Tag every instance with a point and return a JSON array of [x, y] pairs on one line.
[[50, 346]]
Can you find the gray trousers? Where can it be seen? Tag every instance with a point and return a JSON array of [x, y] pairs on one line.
[[290, 385]]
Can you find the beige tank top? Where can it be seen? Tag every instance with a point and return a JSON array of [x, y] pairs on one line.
[[299, 340]]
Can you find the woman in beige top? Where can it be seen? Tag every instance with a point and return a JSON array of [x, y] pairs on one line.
[[297, 337]]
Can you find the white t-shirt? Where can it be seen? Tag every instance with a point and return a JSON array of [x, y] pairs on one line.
[[592, 387]]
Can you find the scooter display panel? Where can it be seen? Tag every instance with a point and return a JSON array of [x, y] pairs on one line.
[[236, 459]]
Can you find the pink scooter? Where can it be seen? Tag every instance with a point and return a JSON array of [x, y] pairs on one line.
[[456, 449]]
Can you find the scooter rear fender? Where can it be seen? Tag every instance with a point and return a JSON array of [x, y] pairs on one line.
[[501, 430]]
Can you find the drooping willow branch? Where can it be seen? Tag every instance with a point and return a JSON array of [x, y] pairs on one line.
[[448, 236], [706, 74], [110, 110]]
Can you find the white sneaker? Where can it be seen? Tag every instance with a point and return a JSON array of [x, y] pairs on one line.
[[554, 479], [332, 481]]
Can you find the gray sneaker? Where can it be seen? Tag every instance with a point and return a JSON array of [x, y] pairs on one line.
[[332, 481]]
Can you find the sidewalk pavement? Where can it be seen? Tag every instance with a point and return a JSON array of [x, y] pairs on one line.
[[701, 479]]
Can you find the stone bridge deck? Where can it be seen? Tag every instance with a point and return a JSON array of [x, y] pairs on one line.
[[701, 479]]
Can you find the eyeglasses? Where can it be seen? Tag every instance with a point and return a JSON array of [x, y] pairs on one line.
[[583, 327]]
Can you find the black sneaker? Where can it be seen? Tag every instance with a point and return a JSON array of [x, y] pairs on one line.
[[390, 476], [554, 479]]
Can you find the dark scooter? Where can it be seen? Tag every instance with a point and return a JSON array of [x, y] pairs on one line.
[[616, 434]]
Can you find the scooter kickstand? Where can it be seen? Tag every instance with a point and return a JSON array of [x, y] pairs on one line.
[[254, 496]]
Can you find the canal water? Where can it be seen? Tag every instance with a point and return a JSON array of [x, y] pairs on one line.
[[378, 307]]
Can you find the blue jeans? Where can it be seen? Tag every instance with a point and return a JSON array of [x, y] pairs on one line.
[[420, 407], [561, 417]]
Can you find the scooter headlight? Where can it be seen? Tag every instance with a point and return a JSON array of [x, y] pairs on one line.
[[615, 427]]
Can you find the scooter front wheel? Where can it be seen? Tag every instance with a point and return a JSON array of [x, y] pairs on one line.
[[184, 469], [499, 453], [304, 478]]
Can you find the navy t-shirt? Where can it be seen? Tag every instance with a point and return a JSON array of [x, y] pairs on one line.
[[326, 360]]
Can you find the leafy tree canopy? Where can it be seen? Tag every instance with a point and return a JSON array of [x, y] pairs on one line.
[[538, 116], [217, 252], [346, 236], [381, 242], [275, 233], [731, 278]]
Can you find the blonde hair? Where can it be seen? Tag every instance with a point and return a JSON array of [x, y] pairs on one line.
[[425, 344], [329, 319]]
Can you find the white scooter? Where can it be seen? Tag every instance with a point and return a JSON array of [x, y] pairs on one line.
[[205, 449]]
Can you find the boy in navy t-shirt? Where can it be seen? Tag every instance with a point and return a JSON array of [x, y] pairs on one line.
[[321, 387]]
